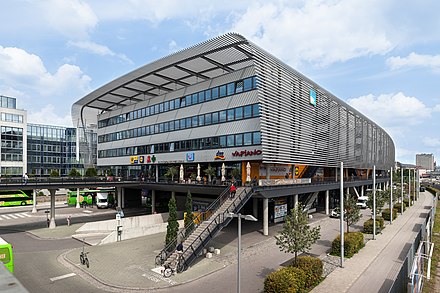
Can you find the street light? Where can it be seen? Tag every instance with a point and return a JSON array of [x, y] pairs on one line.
[[245, 217]]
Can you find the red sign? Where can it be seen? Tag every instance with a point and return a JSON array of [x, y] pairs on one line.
[[247, 153]]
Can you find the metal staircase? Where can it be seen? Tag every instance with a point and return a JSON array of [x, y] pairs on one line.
[[196, 237]]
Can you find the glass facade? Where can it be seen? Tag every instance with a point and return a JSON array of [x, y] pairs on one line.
[[12, 144], [8, 102]]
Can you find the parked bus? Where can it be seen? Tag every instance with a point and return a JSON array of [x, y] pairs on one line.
[[100, 197], [14, 198], [6, 256]]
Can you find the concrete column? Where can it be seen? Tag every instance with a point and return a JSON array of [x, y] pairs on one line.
[[119, 192], [77, 198], [52, 224], [267, 171], [295, 200], [327, 202], [336, 174], [265, 217], [157, 173], [153, 201], [362, 190], [348, 191], [122, 197], [173, 194], [255, 207], [34, 201]]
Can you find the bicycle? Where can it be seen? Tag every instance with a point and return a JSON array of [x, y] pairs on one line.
[[84, 260], [173, 267]]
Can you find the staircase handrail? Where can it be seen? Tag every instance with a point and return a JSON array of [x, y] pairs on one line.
[[218, 219], [188, 229]]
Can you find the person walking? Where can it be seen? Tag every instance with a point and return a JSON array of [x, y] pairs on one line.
[[25, 178], [232, 191]]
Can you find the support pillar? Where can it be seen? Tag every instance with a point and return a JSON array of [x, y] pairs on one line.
[[173, 194], [153, 201], [267, 171], [122, 197], [327, 202], [34, 201], [362, 190], [157, 173], [119, 192], [77, 198], [255, 207], [348, 191], [52, 224], [265, 217], [295, 200]]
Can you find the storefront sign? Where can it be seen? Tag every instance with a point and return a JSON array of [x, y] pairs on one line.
[[275, 170], [247, 153], [134, 159], [190, 157], [219, 156], [280, 210]]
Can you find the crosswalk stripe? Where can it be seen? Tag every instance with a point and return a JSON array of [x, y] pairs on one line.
[[12, 216], [6, 217], [20, 215], [27, 215]]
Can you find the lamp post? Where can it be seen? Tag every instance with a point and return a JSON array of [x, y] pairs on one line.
[[374, 202], [391, 198], [245, 217], [341, 213]]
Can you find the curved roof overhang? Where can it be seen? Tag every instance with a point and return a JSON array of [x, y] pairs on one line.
[[210, 59]]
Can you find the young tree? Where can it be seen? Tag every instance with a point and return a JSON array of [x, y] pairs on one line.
[[173, 225], [54, 173], [74, 173], [171, 172], [296, 235], [210, 171], [352, 212], [91, 172], [189, 217], [381, 199]]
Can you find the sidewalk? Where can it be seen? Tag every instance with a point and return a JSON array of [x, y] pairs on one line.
[[375, 267]]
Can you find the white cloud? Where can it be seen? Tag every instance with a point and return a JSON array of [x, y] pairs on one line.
[[73, 18], [98, 49], [392, 110], [414, 60], [47, 115], [319, 32]]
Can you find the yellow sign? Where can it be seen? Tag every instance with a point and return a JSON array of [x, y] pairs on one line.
[[296, 171], [134, 159]]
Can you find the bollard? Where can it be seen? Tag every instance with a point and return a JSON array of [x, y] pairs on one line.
[[69, 220]]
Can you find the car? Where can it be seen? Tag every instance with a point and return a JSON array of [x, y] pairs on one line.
[[362, 202], [335, 213]]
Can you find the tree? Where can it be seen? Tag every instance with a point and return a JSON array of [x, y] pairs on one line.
[[381, 199], [54, 173], [352, 212], [189, 217], [173, 225], [74, 173], [210, 171], [91, 172], [171, 172], [296, 235]]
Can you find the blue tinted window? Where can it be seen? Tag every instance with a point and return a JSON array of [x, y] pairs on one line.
[[188, 122], [194, 99], [201, 97], [166, 106], [222, 141], [231, 88], [177, 103], [208, 118], [222, 91], [172, 123], [160, 107], [247, 111], [208, 95], [239, 139], [171, 105], [257, 137], [156, 109], [247, 138], [215, 118], [195, 121], [222, 116], [254, 82], [182, 123], [201, 120], [248, 84], [256, 110], [214, 93], [230, 140], [188, 100], [176, 125], [239, 113], [231, 115], [239, 86]]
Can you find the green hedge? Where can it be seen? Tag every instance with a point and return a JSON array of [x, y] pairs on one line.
[[368, 225], [353, 242], [312, 267], [386, 214], [288, 279], [398, 207]]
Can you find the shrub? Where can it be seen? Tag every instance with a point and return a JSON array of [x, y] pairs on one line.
[[368, 225], [287, 280], [406, 202], [386, 214], [398, 207], [353, 242], [312, 268]]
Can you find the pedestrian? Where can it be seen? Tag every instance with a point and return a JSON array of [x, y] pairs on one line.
[[232, 191], [25, 178], [179, 248], [69, 220]]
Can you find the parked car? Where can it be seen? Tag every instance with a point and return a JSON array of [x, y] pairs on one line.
[[335, 213], [362, 202]]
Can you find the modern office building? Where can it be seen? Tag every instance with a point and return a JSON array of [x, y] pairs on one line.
[[425, 161], [13, 138], [56, 148], [39, 149], [228, 102]]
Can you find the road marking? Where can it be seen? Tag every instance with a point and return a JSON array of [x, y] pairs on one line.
[[27, 215], [62, 277], [6, 217], [87, 211], [12, 216], [20, 215]]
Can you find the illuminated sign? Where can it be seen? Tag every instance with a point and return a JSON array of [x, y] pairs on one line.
[[151, 159], [190, 156], [312, 97], [247, 153], [141, 159], [219, 156], [134, 159]]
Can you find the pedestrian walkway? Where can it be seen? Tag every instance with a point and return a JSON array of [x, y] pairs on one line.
[[375, 267], [14, 216]]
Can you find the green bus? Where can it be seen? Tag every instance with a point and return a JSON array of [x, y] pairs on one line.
[[101, 197], [6, 256], [14, 198]]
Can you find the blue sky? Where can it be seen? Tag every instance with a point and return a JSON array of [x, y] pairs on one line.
[[382, 57]]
